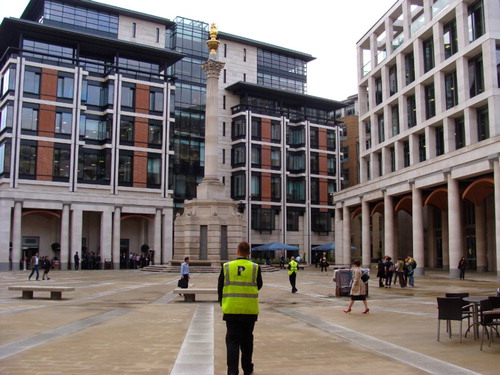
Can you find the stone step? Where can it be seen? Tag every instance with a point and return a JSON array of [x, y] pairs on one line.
[[196, 269]]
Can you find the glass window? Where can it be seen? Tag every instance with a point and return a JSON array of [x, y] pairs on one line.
[[125, 168], [392, 153], [156, 101], [31, 82], [409, 68], [476, 75], [27, 160], [29, 120], [296, 162], [5, 158], [255, 185], [238, 127], [439, 140], [95, 127], [295, 189], [238, 155], [292, 221], [7, 116], [263, 218], [330, 140], [395, 119], [459, 133], [314, 161], [256, 128], [483, 123], [378, 90], [430, 101], [314, 191], [64, 122], [97, 94], [421, 147], [155, 132], [275, 131], [94, 166], [128, 96], [62, 159], [238, 186], [331, 165], [9, 80], [275, 187], [476, 20], [154, 170], [126, 129], [450, 38], [428, 54], [393, 80], [275, 158], [314, 143], [65, 87], [450, 86], [381, 128], [406, 153], [411, 111], [255, 156], [296, 136]]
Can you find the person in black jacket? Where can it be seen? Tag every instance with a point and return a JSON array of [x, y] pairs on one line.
[[381, 273]]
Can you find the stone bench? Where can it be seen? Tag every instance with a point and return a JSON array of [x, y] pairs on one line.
[[55, 291], [190, 293]]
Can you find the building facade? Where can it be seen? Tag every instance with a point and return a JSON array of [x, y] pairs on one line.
[[102, 134], [429, 103]]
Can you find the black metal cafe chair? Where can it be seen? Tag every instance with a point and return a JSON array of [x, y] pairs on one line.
[[488, 319], [467, 308], [450, 308]]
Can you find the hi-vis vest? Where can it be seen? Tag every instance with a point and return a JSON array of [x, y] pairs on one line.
[[292, 267], [240, 292]]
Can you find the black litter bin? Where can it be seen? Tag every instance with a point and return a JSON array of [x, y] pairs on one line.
[[107, 264]]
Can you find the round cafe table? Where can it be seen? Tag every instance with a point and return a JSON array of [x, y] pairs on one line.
[[475, 301]]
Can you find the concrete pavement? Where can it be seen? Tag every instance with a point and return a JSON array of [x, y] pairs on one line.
[[129, 322]]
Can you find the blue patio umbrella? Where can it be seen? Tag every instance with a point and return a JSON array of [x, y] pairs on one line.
[[275, 246], [328, 247]]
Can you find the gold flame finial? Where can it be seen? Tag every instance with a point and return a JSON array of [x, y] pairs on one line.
[[213, 43]]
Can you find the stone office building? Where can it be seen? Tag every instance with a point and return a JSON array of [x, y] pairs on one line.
[[429, 109], [102, 134]]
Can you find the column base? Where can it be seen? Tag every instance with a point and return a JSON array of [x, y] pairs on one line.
[[482, 269], [454, 273], [419, 271]]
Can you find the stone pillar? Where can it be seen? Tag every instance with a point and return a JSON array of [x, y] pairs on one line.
[[389, 225], [418, 230], [481, 258], [496, 173], [157, 237], [445, 237], [365, 233], [76, 231], [212, 69], [17, 235], [106, 242], [5, 225], [454, 226], [339, 242], [167, 252], [65, 248], [346, 248], [431, 237], [117, 230]]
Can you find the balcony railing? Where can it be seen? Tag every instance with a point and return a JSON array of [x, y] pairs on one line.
[[438, 6], [417, 24]]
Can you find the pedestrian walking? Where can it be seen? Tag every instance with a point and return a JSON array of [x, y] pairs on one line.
[[462, 266], [238, 289], [46, 265], [76, 258], [323, 264], [293, 268], [358, 288], [34, 265], [381, 273], [184, 281]]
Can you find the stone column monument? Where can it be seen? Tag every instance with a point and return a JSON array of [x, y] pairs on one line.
[[210, 227]]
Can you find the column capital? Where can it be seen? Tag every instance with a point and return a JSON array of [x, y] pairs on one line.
[[212, 68]]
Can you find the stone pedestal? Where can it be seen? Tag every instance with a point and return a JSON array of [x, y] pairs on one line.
[[210, 228]]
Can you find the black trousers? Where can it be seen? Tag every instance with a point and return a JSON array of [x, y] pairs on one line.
[[293, 279], [239, 336]]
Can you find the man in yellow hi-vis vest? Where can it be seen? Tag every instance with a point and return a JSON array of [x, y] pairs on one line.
[[238, 288], [293, 268]]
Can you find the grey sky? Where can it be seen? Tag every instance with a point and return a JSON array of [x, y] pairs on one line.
[[326, 29]]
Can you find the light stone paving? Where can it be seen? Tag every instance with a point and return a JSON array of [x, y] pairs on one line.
[[130, 322]]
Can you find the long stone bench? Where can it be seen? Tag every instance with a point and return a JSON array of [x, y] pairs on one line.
[[55, 291], [190, 293]]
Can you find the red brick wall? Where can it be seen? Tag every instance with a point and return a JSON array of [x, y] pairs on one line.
[[265, 182], [48, 89], [141, 132], [46, 120], [142, 99], [44, 161], [140, 169], [265, 131]]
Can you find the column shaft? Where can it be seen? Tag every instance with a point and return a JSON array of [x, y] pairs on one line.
[[117, 230], [339, 227], [65, 248], [389, 226], [16, 235], [365, 233], [482, 260], [454, 227], [418, 230], [346, 248]]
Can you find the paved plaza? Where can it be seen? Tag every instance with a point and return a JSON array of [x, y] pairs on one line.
[[130, 322]]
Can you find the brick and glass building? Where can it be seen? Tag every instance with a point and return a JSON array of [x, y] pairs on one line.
[[102, 134], [429, 136]]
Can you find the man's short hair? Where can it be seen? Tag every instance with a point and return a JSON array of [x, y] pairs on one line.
[[244, 248], [186, 259]]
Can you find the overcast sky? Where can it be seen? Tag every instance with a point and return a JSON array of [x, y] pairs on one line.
[[326, 29]]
